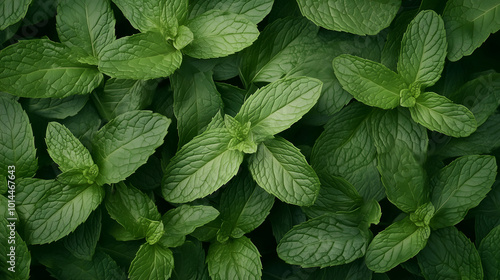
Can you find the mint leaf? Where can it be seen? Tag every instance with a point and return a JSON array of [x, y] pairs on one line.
[[83, 241], [468, 24], [23, 257], [57, 108], [283, 217], [190, 176], [184, 37], [25, 62], [184, 219], [152, 262], [459, 187], [189, 261], [84, 125], [17, 145], [87, 26], [254, 10], [219, 34], [277, 106], [369, 82], [423, 50], [280, 169], [327, 240], [396, 244], [50, 210], [438, 113], [12, 11], [126, 142], [140, 57], [490, 256], [235, 259], [361, 17], [456, 258]]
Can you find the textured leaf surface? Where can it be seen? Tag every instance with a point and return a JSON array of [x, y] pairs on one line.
[[460, 186], [152, 262], [449, 254], [236, 259], [126, 142], [278, 105], [396, 244], [201, 167], [468, 24], [87, 25], [327, 240], [490, 255], [253, 10], [17, 146], [184, 219], [42, 68], [83, 241], [423, 50], [438, 113], [12, 11], [369, 82], [218, 34], [280, 169], [57, 108], [140, 57], [361, 17], [50, 210], [189, 261]]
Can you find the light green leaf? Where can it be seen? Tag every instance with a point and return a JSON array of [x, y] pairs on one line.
[[449, 254], [87, 26], [41, 68], [219, 34], [56, 108], [237, 259], [126, 142], [369, 82], [279, 168], [396, 244], [277, 106], [12, 11], [120, 96], [79, 176], [17, 145], [201, 167], [50, 210], [490, 255], [328, 240], [460, 186], [361, 17], [423, 50], [184, 37], [468, 24], [196, 101], [438, 113], [253, 10], [152, 262], [140, 57], [83, 241], [346, 149], [184, 219]]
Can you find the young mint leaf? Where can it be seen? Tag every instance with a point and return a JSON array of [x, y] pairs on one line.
[[184, 219], [189, 261], [449, 254], [220, 33], [12, 11], [361, 17], [184, 37], [87, 26], [242, 136], [25, 62], [201, 167], [56, 108], [369, 82], [244, 206], [83, 241], [438, 113], [17, 145], [79, 176], [253, 10], [396, 244], [423, 50], [468, 24], [50, 210], [490, 256], [140, 57], [277, 106], [126, 142], [423, 215], [235, 259], [132, 209], [327, 240], [66, 150], [152, 262], [459, 187], [196, 101], [280, 169]]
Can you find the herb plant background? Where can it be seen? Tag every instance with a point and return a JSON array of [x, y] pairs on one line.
[[232, 139]]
